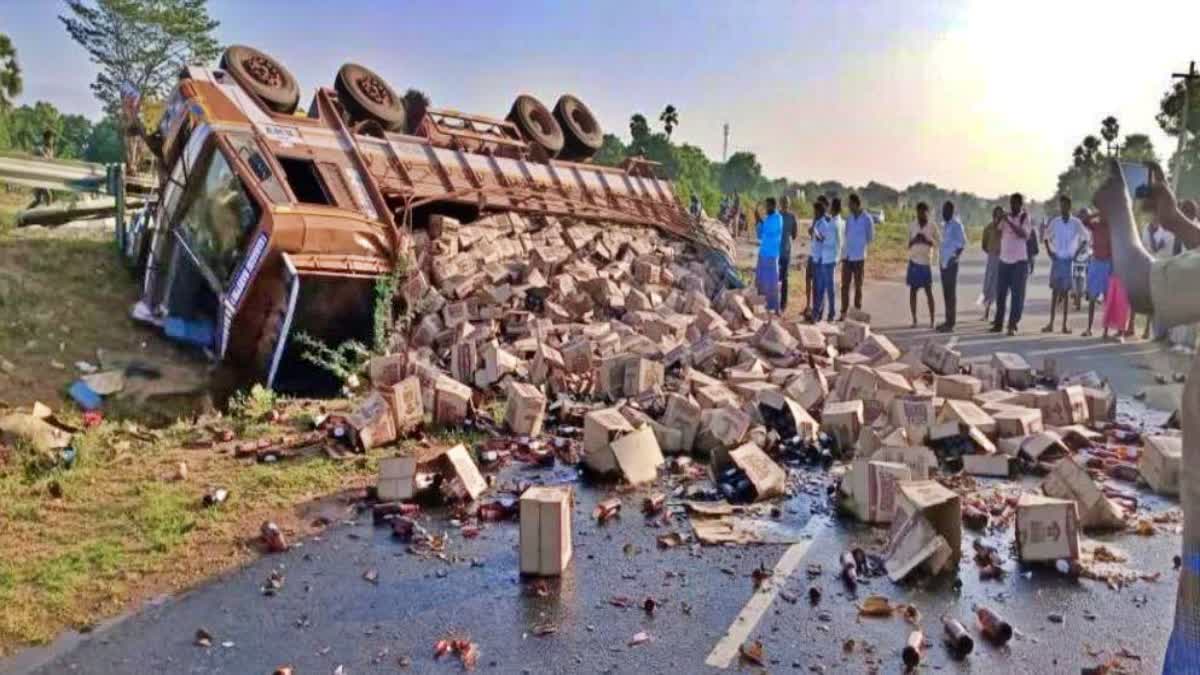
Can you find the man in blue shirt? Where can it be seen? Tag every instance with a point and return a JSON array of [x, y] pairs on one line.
[[825, 252], [770, 235], [954, 240], [860, 230]]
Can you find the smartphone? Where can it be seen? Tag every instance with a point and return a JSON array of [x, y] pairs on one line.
[[1137, 178]]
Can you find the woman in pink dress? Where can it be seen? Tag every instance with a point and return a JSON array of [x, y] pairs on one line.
[[1117, 311]]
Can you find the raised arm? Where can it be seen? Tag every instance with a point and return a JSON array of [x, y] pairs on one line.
[[1168, 212], [1130, 259]]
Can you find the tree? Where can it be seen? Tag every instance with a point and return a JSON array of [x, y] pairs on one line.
[[1109, 130], [740, 173], [73, 135], [669, 119], [1138, 148], [142, 44], [104, 143], [612, 151], [10, 74], [1172, 104], [639, 129], [416, 102]]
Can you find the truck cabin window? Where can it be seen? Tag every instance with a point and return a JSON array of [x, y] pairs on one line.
[[219, 217], [305, 180]]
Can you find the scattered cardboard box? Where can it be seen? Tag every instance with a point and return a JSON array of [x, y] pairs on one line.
[[926, 530], [396, 478], [545, 531], [1161, 462], [1047, 529], [1101, 403], [372, 423], [768, 478], [1069, 480], [921, 461], [465, 481], [843, 420], [914, 416], [997, 465], [1018, 422], [940, 358], [408, 407], [1064, 407], [872, 487], [638, 456], [525, 411], [1044, 446], [969, 414], [1014, 370], [961, 387], [451, 401]]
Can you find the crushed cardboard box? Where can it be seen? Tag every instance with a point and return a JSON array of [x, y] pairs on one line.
[[871, 489], [1070, 480], [926, 530]]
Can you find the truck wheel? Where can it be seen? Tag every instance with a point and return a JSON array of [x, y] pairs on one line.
[[537, 124], [581, 132], [367, 96], [264, 76]]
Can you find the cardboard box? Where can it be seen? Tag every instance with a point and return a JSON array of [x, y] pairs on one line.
[[396, 478], [843, 420], [1101, 403], [858, 382], [879, 349], [638, 456], [921, 461], [386, 370], [545, 514], [961, 387], [451, 401], [889, 385], [798, 421], [873, 488], [1064, 407], [463, 360], [465, 479], [808, 388], [1047, 529], [1161, 463], [610, 379], [372, 423], [853, 334], [577, 355], [715, 396], [1014, 370], [642, 376], [914, 416], [526, 409], [767, 477], [774, 339], [996, 465], [926, 530], [811, 339], [1018, 422], [858, 315], [683, 414], [995, 396], [407, 404], [969, 414], [870, 439], [670, 439], [1069, 480], [728, 425], [600, 429], [1044, 446], [940, 359]]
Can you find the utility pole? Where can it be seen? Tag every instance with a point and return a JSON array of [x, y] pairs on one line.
[[725, 144], [1190, 76]]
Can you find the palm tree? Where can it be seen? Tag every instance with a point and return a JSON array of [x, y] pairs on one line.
[[10, 73], [416, 102], [669, 118], [1109, 129]]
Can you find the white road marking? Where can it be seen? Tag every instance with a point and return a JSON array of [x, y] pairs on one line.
[[727, 648]]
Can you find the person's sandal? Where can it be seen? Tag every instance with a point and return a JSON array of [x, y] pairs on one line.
[[1066, 330], [1086, 333], [1048, 329]]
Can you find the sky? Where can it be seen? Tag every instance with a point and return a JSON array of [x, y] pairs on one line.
[[985, 96]]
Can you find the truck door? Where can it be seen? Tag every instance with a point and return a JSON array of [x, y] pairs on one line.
[[281, 324]]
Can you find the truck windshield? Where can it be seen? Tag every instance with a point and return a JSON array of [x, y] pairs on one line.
[[219, 216]]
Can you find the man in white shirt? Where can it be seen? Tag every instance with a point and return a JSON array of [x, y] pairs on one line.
[[1065, 238]]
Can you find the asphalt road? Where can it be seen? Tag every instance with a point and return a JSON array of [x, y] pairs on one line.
[[326, 615]]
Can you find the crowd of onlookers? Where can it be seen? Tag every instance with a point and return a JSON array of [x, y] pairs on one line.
[[1077, 245]]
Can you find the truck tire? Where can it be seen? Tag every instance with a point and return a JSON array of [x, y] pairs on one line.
[[367, 96], [537, 124], [263, 76], [582, 135]]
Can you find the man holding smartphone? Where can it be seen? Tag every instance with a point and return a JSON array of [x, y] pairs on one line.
[[1164, 287]]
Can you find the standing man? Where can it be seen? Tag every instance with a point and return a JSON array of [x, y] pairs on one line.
[[1065, 238], [770, 231], [810, 269], [785, 249], [1015, 232], [825, 247], [1100, 267], [954, 240], [922, 238], [860, 231]]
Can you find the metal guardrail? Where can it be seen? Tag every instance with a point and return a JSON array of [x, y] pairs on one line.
[[70, 176]]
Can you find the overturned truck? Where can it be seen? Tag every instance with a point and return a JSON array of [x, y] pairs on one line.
[[270, 222]]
